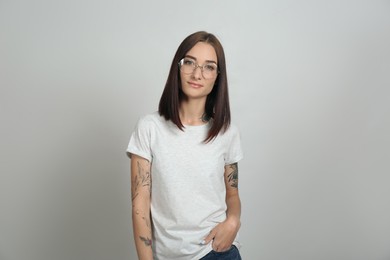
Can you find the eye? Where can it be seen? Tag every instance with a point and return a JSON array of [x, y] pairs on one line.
[[188, 62], [210, 67]]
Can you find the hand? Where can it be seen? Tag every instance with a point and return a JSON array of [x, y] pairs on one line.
[[223, 234]]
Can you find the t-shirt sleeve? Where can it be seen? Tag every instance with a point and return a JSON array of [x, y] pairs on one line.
[[140, 140], [234, 152]]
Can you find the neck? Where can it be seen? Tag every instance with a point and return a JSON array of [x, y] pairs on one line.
[[192, 112]]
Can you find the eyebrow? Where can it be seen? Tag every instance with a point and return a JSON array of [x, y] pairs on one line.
[[192, 57]]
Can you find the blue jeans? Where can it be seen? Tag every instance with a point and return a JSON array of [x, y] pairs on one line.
[[231, 254]]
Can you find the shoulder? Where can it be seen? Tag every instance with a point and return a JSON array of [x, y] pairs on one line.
[[232, 130], [230, 134], [149, 117], [151, 120]]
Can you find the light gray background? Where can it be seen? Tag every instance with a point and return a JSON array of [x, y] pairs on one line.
[[309, 84]]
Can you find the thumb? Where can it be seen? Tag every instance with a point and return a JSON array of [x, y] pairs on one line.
[[209, 237]]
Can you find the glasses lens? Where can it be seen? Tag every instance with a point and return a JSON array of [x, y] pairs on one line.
[[209, 70], [187, 66]]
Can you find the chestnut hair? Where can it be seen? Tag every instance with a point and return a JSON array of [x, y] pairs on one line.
[[217, 102]]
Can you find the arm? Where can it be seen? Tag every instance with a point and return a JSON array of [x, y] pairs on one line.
[[224, 233], [232, 198], [140, 195]]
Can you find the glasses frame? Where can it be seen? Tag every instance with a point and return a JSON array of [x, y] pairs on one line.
[[196, 65]]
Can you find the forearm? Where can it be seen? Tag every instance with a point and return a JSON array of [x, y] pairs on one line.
[[142, 232], [233, 202], [140, 194], [233, 211]]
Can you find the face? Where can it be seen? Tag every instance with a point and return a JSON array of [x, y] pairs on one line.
[[194, 84]]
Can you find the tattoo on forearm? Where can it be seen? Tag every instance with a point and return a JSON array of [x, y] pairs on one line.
[[233, 176], [147, 241], [142, 179]]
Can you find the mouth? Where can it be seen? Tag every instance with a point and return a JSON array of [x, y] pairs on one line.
[[194, 85]]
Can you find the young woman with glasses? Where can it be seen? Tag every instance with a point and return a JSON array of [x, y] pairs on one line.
[[184, 173]]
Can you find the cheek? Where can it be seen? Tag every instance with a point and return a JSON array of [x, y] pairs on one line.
[[182, 80], [211, 84]]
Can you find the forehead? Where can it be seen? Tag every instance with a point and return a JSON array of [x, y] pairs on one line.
[[203, 52]]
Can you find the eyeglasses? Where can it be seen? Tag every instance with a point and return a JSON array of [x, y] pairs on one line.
[[188, 66]]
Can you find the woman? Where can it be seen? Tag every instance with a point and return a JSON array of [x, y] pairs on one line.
[[189, 151]]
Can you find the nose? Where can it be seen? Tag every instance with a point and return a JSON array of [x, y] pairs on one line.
[[197, 73]]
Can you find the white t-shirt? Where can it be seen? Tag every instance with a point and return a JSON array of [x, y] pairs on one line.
[[188, 188]]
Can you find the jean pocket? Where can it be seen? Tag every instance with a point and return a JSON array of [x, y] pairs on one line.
[[232, 247]]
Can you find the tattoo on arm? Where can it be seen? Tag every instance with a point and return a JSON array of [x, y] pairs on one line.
[[141, 179], [233, 175], [147, 241]]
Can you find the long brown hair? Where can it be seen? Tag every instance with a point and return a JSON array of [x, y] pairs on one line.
[[217, 103]]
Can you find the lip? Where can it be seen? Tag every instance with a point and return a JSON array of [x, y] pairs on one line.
[[194, 85]]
